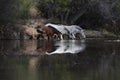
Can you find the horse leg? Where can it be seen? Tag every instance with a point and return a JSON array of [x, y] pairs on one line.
[[55, 36], [78, 35], [45, 36], [73, 36], [49, 37], [61, 36]]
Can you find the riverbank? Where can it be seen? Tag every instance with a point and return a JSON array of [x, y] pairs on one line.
[[99, 34], [15, 31]]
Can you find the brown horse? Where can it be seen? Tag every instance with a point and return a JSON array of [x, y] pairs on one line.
[[47, 32]]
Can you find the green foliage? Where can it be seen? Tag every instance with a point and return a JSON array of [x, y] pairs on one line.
[[116, 7], [10, 10], [106, 33], [6, 11], [90, 13], [23, 8], [53, 6], [116, 4]]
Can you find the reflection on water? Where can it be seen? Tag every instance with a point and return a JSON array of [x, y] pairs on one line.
[[33, 60], [34, 47], [68, 46]]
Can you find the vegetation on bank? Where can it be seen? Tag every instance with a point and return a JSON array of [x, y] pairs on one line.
[[99, 15], [99, 34]]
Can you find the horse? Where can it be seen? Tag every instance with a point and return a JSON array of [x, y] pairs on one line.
[[56, 32], [48, 32], [72, 31], [75, 31], [59, 28]]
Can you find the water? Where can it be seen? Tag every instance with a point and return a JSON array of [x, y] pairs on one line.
[[96, 59]]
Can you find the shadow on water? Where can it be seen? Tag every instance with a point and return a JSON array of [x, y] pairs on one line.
[[59, 60]]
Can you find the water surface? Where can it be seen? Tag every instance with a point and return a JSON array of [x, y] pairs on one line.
[[93, 59]]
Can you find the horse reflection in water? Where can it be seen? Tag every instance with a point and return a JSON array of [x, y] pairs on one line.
[[46, 46], [73, 31], [68, 46], [62, 47], [49, 47]]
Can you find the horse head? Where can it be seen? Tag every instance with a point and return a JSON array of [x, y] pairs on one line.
[[40, 29]]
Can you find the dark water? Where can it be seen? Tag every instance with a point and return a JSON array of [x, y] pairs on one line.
[[93, 59]]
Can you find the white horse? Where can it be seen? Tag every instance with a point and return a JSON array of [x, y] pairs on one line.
[[74, 29], [68, 30], [60, 28]]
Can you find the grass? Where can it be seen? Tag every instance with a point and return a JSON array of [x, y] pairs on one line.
[[24, 8], [103, 33]]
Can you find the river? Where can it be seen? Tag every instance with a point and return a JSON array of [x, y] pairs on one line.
[[90, 59]]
